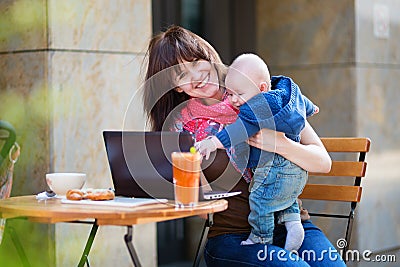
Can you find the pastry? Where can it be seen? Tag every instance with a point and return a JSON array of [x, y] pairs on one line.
[[75, 194], [100, 194], [92, 194]]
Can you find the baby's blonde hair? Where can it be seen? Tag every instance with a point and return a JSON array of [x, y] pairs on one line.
[[252, 66]]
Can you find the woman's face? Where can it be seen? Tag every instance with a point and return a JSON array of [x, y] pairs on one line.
[[198, 79]]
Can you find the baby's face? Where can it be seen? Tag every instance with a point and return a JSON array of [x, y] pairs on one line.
[[240, 88]]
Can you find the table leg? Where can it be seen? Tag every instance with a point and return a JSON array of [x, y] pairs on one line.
[[88, 246], [203, 239], [131, 249]]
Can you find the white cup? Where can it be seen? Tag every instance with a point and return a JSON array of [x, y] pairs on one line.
[[61, 182]]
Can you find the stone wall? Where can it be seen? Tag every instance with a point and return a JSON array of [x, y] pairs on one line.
[[68, 71], [378, 95], [345, 56]]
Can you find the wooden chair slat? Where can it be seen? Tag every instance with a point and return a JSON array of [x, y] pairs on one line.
[[345, 168], [343, 193], [346, 144], [333, 192]]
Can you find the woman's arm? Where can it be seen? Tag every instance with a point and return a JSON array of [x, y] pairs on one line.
[[310, 154]]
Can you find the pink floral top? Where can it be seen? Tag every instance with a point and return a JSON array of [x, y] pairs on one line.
[[202, 121]]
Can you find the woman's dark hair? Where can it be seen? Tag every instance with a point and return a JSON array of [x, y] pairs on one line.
[[166, 50]]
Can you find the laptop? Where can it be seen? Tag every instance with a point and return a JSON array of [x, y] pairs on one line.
[[140, 164]]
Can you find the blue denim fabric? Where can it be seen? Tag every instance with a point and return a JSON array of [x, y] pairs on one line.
[[284, 109], [275, 188], [225, 250]]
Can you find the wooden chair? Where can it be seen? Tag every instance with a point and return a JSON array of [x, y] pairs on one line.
[[352, 169]]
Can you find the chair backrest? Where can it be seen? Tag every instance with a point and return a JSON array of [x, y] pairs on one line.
[[332, 189], [7, 139], [353, 169], [7, 145]]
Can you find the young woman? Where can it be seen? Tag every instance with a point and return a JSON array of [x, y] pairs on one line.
[[183, 66]]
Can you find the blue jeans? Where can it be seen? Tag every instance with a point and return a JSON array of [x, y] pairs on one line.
[[316, 250], [275, 188]]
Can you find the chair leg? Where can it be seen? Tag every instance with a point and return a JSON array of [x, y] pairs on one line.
[[19, 248], [348, 234], [203, 239]]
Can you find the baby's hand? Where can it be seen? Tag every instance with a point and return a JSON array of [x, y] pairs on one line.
[[206, 146]]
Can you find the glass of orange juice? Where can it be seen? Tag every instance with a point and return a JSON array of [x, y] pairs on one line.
[[186, 172]]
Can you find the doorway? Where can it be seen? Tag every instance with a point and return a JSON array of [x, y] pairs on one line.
[[229, 26]]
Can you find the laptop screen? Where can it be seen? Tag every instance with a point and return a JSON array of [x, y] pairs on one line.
[[140, 162]]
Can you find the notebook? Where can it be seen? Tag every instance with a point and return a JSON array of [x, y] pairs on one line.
[[140, 164]]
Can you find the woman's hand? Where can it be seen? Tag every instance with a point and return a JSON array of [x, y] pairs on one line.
[[267, 140], [310, 154]]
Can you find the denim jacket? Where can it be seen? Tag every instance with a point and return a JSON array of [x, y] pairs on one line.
[[283, 109]]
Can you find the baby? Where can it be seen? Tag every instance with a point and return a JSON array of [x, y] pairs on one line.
[[276, 104]]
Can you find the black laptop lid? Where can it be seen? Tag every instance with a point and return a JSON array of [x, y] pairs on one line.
[[140, 162]]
